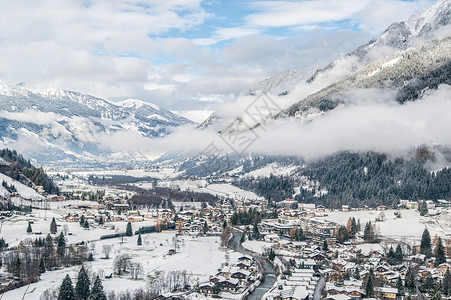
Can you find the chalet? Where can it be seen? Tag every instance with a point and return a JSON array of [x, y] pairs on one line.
[[381, 269], [345, 208], [443, 268], [291, 293], [206, 288], [386, 292], [240, 274], [135, 219], [230, 285], [317, 257], [55, 198], [245, 259]]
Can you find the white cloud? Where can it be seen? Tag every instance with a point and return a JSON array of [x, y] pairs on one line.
[[122, 49], [31, 116]]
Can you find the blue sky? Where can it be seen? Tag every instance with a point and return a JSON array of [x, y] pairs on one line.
[[180, 54]]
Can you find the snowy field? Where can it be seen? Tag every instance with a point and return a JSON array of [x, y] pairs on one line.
[[201, 186], [201, 257], [160, 173], [256, 246], [409, 226]]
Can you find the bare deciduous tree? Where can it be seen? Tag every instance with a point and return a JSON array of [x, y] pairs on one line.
[[106, 249]]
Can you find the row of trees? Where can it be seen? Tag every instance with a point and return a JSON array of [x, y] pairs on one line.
[[426, 247], [82, 290]]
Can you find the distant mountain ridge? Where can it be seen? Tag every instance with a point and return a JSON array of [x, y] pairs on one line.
[[67, 124]]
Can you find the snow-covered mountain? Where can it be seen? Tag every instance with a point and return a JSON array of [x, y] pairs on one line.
[[430, 24], [405, 61], [74, 127]]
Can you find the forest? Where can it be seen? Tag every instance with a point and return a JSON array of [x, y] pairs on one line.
[[22, 169], [358, 179]]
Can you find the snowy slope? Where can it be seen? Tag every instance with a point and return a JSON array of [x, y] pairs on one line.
[[23, 190], [72, 127]]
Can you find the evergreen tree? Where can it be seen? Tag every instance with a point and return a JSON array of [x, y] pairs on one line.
[[101, 221], [82, 220], [41, 265], [391, 255], [272, 254], [369, 284], [425, 246], [439, 253], [205, 227], [410, 280], [61, 246], [129, 230], [400, 286], [29, 230], [357, 273], [97, 292], [224, 225], [436, 294], [66, 291], [256, 232], [428, 284], [399, 256], [82, 286], [86, 225], [423, 208], [446, 283], [325, 246], [139, 242], [368, 234], [53, 227]]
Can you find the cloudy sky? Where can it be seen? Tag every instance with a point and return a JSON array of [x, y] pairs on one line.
[[180, 54]]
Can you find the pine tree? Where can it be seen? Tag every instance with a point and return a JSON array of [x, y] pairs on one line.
[[205, 227], [391, 255], [369, 284], [101, 221], [42, 265], [82, 286], [325, 246], [139, 242], [61, 246], [439, 253], [399, 256], [53, 227], [66, 291], [400, 286], [97, 292], [82, 220], [423, 208], [446, 282], [410, 280], [357, 273], [86, 225], [29, 230], [129, 230], [425, 246]]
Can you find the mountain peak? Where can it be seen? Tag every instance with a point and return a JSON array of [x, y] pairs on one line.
[[430, 19], [136, 103]]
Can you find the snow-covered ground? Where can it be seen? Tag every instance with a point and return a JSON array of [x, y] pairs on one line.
[[200, 257], [202, 186], [23, 190], [409, 226], [160, 173], [256, 246], [273, 169]]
